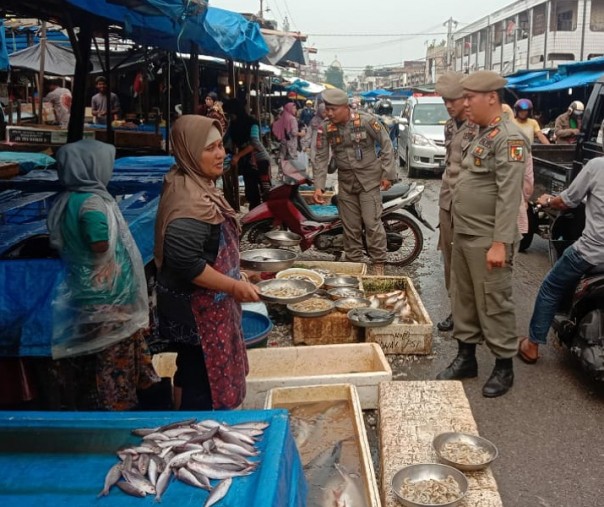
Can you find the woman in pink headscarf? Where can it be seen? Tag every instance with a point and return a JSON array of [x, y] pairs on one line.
[[285, 130]]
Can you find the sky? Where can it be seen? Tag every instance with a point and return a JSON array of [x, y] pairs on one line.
[[378, 33]]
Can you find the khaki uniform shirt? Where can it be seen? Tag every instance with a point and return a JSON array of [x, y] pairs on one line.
[[489, 188], [353, 145], [457, 139]]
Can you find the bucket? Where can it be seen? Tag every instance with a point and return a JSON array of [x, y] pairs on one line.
[[256, 328]]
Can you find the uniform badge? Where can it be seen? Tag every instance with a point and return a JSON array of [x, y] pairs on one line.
[[493, 133], [477, 161], [376, 125], [477, 151], [516, 151]]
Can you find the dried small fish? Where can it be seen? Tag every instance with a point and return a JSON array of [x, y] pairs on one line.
[[465, 453], [431, 491]]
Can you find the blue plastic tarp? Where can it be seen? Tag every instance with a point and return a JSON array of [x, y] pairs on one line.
[[522, 79], [217, 32], [379, 92], [161, 163], [562, 82], [28, 161], [3, 49], [27, 286], [61, 475]]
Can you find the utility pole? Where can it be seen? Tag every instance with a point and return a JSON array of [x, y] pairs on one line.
[[450, 24], [261, 9]]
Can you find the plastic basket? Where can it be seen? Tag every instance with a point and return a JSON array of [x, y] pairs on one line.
[[256, 328]]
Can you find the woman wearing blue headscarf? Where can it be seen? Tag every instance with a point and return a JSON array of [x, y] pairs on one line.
[[101, 308]]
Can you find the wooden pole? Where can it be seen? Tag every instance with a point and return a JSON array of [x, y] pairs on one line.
[[41, 75], [81, 47], [110, 132]]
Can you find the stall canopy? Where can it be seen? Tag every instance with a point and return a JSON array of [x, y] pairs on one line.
[[216, 32], [283, 47], [3, 49], [525, 78], [59, 60], [379, 92], [18, 38], [305, 88], [569, 75]]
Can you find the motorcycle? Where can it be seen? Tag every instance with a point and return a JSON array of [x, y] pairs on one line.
[[285, 208], [579, 324]]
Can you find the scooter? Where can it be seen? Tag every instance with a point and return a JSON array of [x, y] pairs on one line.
[[579, 324], [285, 208]]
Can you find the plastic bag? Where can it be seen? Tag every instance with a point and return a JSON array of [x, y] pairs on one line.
[[100, 304]]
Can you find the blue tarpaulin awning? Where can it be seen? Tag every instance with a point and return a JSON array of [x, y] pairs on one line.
[[560, 82], [3, 49], [522, 79], [217, 32], [376, 93]]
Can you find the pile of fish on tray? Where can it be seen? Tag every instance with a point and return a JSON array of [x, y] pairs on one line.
[[192, 452], [396, 302]]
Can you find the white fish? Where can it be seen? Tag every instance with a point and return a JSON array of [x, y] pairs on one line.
[[186, 476], [162, 483], [114, 475], [219, 492], [350, 493]]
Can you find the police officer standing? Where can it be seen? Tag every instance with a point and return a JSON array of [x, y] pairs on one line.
[[352, 137], [459, 132], [485, 211]]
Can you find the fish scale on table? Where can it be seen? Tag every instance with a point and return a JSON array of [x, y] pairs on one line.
[[190, 451]]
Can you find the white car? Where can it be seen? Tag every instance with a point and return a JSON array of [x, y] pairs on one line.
[[421, 137]]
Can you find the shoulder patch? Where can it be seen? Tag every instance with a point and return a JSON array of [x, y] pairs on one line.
[[516, 150], [376, 125]]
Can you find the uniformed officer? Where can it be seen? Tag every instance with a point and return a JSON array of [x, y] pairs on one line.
[[485, 211], [459, 132], [352, 137]]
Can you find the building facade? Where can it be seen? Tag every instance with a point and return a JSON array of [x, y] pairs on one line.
[[532, 34]]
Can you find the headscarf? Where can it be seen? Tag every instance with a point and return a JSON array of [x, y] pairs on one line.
[[287, 122], [187, 193], [83, 166]]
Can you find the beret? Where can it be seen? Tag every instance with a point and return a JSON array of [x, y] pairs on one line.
[[448, 85], [483, 81], [335, 97]]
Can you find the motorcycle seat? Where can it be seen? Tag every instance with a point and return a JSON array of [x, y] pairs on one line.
[[395, 191]]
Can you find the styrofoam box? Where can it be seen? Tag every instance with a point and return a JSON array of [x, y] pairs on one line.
[[335, 392], [361, 364]]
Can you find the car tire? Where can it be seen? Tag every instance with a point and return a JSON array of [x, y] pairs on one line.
[[412, 172]]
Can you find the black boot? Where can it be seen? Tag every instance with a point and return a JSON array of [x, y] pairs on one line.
[[463, 366], [501, 380], [447, 324]]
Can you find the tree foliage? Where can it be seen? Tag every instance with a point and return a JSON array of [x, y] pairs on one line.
[[335, 76]]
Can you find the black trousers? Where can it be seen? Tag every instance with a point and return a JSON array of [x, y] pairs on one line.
[[257, 181]]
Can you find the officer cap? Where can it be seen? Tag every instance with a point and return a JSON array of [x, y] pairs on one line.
[[448, 85], [483, 81], [335, 97]]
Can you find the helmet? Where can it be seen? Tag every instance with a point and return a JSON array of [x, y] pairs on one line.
[[523, 105], [384, 106], [576, 107], [309, 102]]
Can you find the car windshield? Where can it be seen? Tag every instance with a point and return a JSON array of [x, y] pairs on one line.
[[430, 114]]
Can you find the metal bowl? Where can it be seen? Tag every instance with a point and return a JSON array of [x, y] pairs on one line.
[[283, 238], [482, 443], [301, 312], [335, 282], [267, 259], [303, 290], [301, 274], [345, 292], [424, 472], [375, 317], [346, 304]]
